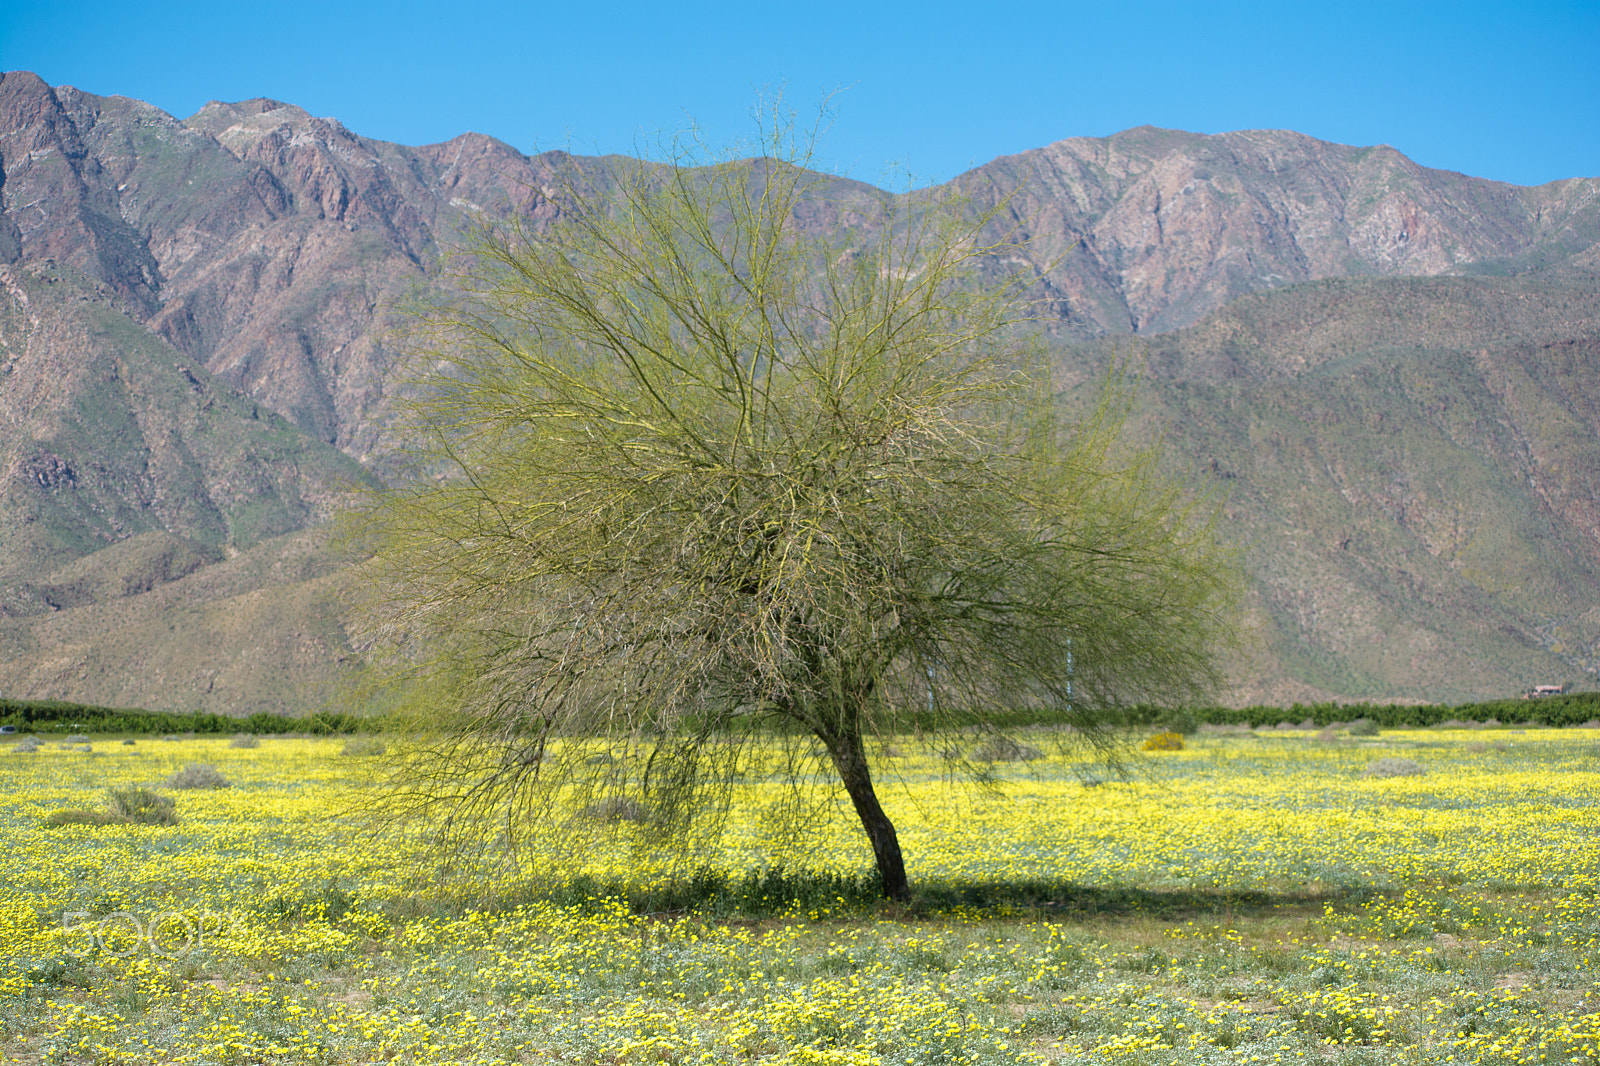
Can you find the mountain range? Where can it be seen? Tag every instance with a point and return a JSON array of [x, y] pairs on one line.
[[1390, 376]]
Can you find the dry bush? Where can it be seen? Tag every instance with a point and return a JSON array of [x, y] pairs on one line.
[[617, 809], [1328, 735], [26, 746], [56, 819], [244, 740], [1004, 749], [1165, 742], [205, 776], [142, 806], [363, 746], [1392, 767], [1363, 727], [124, 806], [1593, 723]]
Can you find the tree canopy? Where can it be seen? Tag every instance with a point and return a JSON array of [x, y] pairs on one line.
[[711, 453]]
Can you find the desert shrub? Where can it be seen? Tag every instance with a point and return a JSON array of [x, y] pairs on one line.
[[124, 806], [172, 736], [1593, 723], [1392, 767], [244, 740], [25, 746], [1168, 741], [202, 776], [617, 809], [142, 806], [1183, 722], [76, 738], [363, 746], [1004, 749], [81, 817], [129, 741], [1363, 727]]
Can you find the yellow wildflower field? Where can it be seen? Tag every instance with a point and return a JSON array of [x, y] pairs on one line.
[[1418, 896]]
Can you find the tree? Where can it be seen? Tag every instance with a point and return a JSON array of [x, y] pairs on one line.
[[703, 468]]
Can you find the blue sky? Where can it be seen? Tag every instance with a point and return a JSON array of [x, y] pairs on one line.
[[1499, 90]]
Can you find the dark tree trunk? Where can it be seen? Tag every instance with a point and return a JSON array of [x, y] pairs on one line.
[[850, 759]]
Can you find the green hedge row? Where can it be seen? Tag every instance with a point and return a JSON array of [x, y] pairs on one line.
[[56, 716], [1571, 709]]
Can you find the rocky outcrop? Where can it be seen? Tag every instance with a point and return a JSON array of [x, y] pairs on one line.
[[1149, 230]]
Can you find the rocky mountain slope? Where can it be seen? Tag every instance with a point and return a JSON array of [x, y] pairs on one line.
[[199, 326], [1411, 468]]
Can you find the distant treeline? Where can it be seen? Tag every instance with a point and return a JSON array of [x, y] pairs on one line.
[[1570, 709], [55, 716]]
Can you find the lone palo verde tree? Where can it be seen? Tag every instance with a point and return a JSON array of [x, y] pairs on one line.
[[709, 455]]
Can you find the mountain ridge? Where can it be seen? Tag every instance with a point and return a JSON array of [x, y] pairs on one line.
[[252, 258]]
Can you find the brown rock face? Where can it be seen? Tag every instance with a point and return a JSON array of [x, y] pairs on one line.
[[1149, 230], [270, 245]]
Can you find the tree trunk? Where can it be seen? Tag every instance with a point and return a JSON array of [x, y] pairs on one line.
[[850, 759]]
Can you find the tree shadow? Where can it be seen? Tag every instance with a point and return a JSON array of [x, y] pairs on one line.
[[1066, 899], [772, 892]]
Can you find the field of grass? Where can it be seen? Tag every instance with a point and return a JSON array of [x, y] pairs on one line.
[[1256, 897]]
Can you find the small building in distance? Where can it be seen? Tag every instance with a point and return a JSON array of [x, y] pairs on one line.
[[1544, 690]]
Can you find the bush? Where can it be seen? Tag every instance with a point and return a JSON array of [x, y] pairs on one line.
[[1182, 722], [198, 777], [1363, 727], [56, 819], [1004, 749], [1394, 768], [618, 809], [1168, 741], [142, 806], [244, 740], [124, 806], [363, 746], [26, 746]]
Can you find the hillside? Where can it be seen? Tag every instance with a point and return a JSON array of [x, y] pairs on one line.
[[1412, 471], [1387, 367], [143, 514]]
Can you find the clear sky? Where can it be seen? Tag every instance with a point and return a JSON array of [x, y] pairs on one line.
[[1498, 90]]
